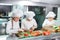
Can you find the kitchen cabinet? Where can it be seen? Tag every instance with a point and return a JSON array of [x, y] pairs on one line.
[[3, 26], [4, 11]]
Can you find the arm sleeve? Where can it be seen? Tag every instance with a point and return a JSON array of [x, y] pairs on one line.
[[8, 28], [19, 26], [44, 23], [22, 25], [35, 23]]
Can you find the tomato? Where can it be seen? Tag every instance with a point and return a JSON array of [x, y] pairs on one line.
[[46, 33], [31, 31], [26, 35]]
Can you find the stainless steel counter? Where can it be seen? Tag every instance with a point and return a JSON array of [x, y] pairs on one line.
[[55, 36], [3, 37]]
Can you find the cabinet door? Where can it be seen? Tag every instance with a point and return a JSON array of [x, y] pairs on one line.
[[40, 14]]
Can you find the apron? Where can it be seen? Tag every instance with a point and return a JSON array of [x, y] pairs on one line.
[[12, 37]]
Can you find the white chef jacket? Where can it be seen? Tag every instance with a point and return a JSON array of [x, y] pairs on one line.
[[9, 29], [47, 22], [28, 24]]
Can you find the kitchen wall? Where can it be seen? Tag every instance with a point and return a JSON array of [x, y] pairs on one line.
[[58, 13], [58, 17]]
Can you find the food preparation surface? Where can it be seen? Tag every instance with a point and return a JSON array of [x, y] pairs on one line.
[[36, 38], [50, 37], [46, 35]]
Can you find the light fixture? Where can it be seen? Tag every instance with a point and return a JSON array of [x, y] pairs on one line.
[[23, 3], [5, 4], [36, 0]]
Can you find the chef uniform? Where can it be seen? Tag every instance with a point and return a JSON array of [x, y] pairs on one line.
[[12, 26], [26, 25], [47, 23]]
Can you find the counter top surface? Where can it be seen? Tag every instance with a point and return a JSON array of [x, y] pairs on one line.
[[54, 35], [3, 37]]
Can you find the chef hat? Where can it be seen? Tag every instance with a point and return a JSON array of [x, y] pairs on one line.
[[51, 14], [17, 13], [30, 14]]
